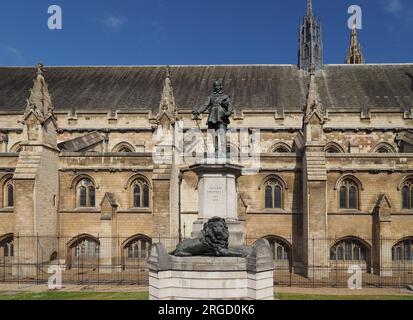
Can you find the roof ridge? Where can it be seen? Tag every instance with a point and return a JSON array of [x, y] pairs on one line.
[[155, 66], [371, 64]]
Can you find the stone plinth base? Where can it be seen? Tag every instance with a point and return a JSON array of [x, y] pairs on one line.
[[211, 285], [212, 278]]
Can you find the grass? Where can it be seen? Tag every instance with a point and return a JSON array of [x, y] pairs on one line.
[[297, 296], [59, 295]]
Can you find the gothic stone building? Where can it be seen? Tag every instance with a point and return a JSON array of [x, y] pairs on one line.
[[336, 166]]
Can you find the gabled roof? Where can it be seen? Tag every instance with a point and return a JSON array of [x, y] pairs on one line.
[[110, 197], [252, 87], [360, 87], [140, 88]]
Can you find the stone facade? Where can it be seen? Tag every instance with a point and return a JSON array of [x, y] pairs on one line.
[[335, 159]]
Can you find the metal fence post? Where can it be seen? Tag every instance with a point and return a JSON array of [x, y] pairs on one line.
[[312, 263], [100, 248], [18, 258], [291, 262], [394, 273], [37, 258]]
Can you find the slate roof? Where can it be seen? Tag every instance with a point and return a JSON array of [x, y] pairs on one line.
[[81, 143], [252, 87], [359, 87]]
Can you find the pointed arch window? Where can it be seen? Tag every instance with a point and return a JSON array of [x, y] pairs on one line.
[[332, 149], [8, 194], [281, 150], [407, 195], [138, 248], [316, 51], [349, 195], [306, 51], [125, 149], [349, 250], [86, 193], [85, 248], [7, 247], [382, 149], [403, 251], [140, 190], [273, 195], [280, 248], [280, 147]]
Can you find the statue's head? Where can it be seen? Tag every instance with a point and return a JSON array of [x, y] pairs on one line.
[[218, 87]]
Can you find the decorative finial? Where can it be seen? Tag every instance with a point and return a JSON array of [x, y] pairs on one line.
[[309, 7], [40, 68], [168, 99], [354, 53], [168, 72], [354, 21], [312, 69]]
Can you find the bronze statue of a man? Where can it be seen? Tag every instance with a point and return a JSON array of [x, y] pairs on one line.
[[220, 110]]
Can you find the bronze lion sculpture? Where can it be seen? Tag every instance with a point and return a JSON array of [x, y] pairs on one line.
[[212, 241]]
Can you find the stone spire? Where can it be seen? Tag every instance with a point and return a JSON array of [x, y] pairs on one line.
[[40, 102], [167, 105], [309, 7], [314, 106], [310, 39], [168, 99], [354, 54]]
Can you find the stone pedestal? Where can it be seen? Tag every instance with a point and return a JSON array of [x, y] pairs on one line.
[[217, 197], [212, 278]]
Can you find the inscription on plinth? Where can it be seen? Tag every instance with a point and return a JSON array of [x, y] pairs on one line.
[[217, 196]]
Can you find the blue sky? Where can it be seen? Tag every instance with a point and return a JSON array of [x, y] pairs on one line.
[[159, 32]]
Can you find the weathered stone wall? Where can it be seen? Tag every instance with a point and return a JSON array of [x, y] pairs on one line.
[[378, 173]]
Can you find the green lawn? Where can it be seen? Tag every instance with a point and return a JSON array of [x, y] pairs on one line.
[[59, 295], [296, 296]]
